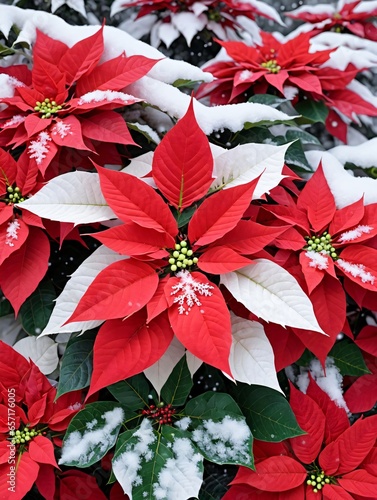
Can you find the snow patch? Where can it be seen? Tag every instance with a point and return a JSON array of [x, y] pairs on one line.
[[105, 95], [12, 232], [353, 234], [318, 260], [16, 120], [183, 423], [189, 287], [39, 149], [356, 270], [62, 129]]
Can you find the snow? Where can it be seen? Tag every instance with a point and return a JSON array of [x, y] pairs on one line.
[[105, 95], [183, 423], [356, 270], [62, 129], [318, 260], [78, 5], [16, 120], [7, 84], [181, 476], [227, 440], [363, 155], [353, 234], [80, 447], [189, 288], [39, 148], [12, 232]]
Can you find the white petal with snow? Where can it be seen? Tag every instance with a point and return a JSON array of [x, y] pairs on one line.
[[251, 356], [74, 197], [75, 288], [270, 292], [77, 5], [42, 351]]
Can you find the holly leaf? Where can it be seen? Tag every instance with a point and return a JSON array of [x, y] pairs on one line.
[[183, 163], [36, 310], [178, 386], [132, 392], [91, 433]]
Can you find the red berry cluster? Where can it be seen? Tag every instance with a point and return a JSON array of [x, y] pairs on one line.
[[161, 414]]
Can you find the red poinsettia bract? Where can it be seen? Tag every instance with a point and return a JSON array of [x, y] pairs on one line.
[[347, 16], [28, 415], [169, 283], [68, 99], [276, 65], [332, 461]]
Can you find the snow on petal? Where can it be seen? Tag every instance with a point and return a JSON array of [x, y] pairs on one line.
[[78, 5], [356, 270], [61, 129], [105, 95], [251, 356], [189, 288], [74, 197], [318, 260], [353, 234], [12, 232], [16, 120], [271, 293], [39, 148]]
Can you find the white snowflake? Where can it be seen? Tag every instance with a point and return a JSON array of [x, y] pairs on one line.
[[189, 288], [353, 234], [244, 75], [38, 149], [16, 120], [12, 232], [318, 260], [62, 129], [357, 271]]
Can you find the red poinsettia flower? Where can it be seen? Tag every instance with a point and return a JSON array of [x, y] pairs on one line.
[[28, 414], [67, 101], [169, 283], [24, 246], [276, 65], [347, 16], [333, 460], [328, 249]]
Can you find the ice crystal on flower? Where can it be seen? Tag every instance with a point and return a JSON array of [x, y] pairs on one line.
[[15, 82], [62, 129], [12, 232], [244, 75], [353, 234], [16, 120], [318, 260], [105, 95], [357, 271], [189, 289], [38, 149]]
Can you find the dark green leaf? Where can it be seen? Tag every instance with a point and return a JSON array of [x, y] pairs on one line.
[[348, 358], [268, 99], [5, 307], [143, 131], [312, 111], [184, 217], [267, 412], [295, 156], [36, 310], [212, 405], [132, 392], [303, 136], [77, 364], [185, 83], [178, 386], [105, 417]]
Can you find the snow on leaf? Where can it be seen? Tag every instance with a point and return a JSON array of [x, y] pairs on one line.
[[40, 148], [188, 288], [75, 289], [318, 260], [79, 448], [246, 162], [42, 351], [251, 356], [270, 292], [356, 270], [74, 197], [353, 234], [78, 5], [12, 232], [105, 95]]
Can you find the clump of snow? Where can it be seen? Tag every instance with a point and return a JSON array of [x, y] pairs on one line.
[[357, 271], [105, 95], [329, 380], [183, 423], [318, 260], [189, 288], [39, 148], [363, 155], [353, 234], [15, 120], [81, 447], [226, 440], [12, 232], [181, 476], [62, 129]]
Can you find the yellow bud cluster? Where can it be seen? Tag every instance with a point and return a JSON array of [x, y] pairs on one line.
[[321, 244], [14, 195], [272, 66], [24, 436], [182, 257], [47, 108], [318, 480]]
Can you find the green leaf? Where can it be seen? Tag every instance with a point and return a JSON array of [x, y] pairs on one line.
[[155, 455], [6, 51], [77, 364], [132, 392], [181, 82], [179, 384], [267, 412], [5, 306], [36, 310], [91, 433], [268, 99], [348, 358], [295, 156], [184, 217], [212, 405], [312, 111], [270, 123], [304, 137], [143, 130]]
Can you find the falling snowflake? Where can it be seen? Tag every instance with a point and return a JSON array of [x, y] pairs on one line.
[[12, 232], [38, 149], [62, 129], [189, 288]]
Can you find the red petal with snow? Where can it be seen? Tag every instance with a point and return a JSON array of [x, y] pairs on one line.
[[220, 213], [67, 132], [133, 200], [107, 126], [311, 419], [82, 57], [121, 289], [333, 492], [13, 235], [124, 348], [41, 450], [275, 474], [115, 74], [359, 264], [200, 320], [351, 447], [24, 269], [317, 199], [347, 217], [183, 162], [158, 302], [132, 239], [26, 472], [220, 260], [75, 482], [360, 482]]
